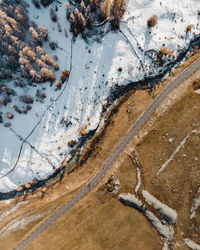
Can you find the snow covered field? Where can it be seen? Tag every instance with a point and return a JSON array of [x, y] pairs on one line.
[[36, 143]]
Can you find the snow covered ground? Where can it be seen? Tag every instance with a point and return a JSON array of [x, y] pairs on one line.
[[36, 143]]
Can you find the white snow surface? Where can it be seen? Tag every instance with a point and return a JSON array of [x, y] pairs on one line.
[[195, 205], [191, 244], [163, 229], [37, 142], [167, 212]]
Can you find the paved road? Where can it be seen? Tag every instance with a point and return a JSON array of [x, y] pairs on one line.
[[119, 148]]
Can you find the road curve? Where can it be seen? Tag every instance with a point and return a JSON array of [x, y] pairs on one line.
[[185, 74]]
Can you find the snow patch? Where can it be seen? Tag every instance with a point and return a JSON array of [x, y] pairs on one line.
[[169, 214], [195, 205], [191, 244], [163, 229]]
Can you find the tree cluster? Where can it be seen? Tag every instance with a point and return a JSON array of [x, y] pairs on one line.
[[86, 13], [21, 45]]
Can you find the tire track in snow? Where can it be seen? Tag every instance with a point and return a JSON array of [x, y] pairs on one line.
[[32, 131], [127, 38]]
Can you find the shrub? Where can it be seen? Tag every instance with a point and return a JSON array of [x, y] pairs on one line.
[[36, 3], [152, 21], [189, 27], [165, 51], [52, 45], [46, 2]]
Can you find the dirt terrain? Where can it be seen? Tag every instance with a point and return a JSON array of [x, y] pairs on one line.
[[100, 220]]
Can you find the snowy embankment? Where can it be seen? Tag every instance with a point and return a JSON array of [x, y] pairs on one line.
[[37, 142], [169, 214], [163, 228]]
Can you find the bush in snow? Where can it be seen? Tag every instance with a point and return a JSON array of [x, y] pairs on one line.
[[46, 2], [189, 27], [152, 21]]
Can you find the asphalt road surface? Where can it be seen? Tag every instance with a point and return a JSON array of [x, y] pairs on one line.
[[185, 74]]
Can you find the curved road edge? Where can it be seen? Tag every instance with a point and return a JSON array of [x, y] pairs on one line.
[[185, 74]]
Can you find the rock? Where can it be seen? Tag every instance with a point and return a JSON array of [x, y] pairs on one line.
[[26, 99], [120, 69], [7, 124], [9, 115], [27, 185], [19, 189], [71, 143]]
